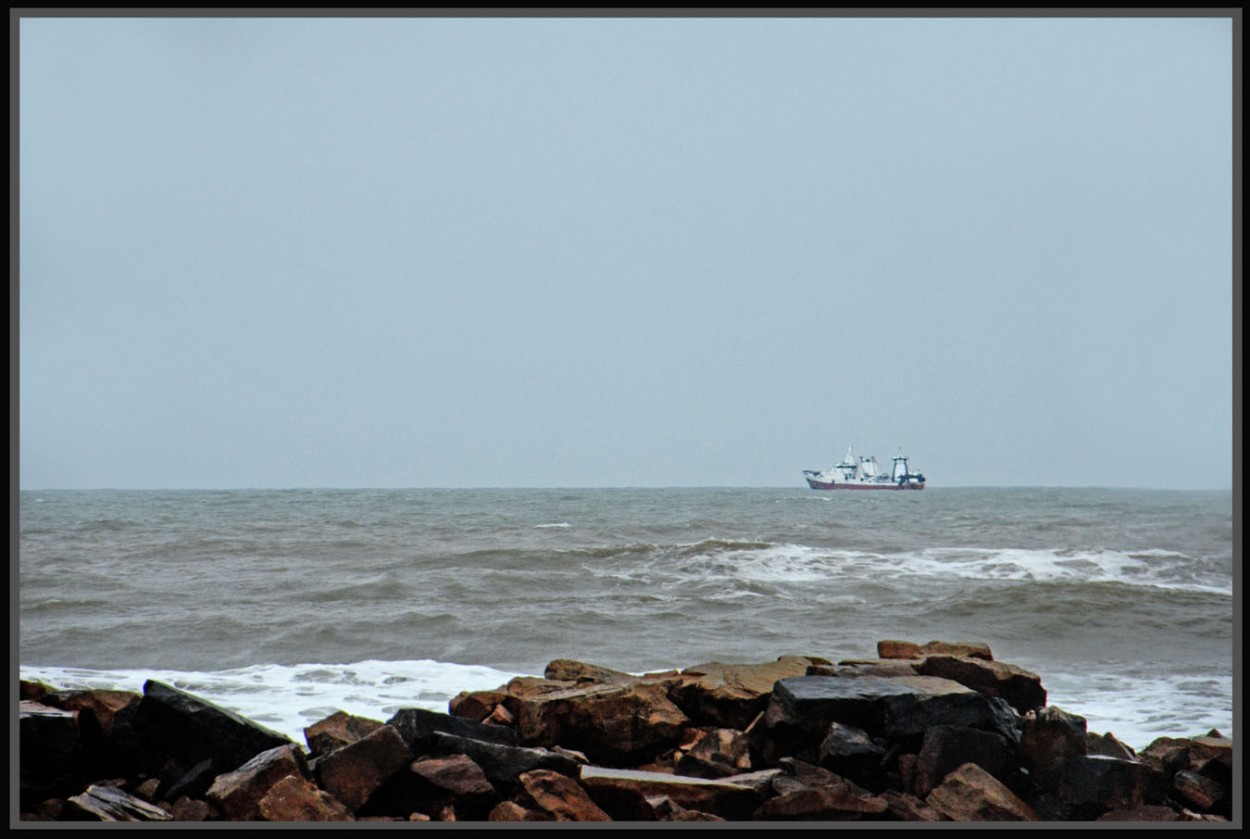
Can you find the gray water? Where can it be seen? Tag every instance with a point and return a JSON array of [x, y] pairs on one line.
[[1121, 600]]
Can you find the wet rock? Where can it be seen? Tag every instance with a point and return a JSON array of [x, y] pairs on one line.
[[337, 730], [972, 794], [238, 792], [1094, 784], [731, 695], [354, 772], [611, 723], [176, 723], [294, 799], [560, 797], [718, 797], [178, 780], [418, 726], [912, 714], [110, 804], [1020, 688], [50, 753], [851, 753], [1048, 738], [1200, 792], [946, 748]]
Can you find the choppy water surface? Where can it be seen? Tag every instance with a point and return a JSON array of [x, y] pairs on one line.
[[283, 604]]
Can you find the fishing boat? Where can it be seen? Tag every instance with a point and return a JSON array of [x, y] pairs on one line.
[[865, 473]]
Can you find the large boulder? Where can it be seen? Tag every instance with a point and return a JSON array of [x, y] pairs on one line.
[[1093, 784], [178, 724], [238, 792], [337, 730], [970, 794], [50, 753], [502, 764], [295, 799], [579, 672], [1048, 738], [807, 792], [732, 695], [610, 723], [946, 747], [1022, 690], [354, 772]]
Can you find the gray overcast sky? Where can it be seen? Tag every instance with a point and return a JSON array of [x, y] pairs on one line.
[[360, 252]]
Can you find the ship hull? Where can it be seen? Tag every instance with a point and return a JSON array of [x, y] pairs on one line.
[[814, 484]]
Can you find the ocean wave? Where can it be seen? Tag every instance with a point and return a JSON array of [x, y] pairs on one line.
[[288, 698]]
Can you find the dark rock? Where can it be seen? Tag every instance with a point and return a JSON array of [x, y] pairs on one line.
[[418, 726], [178, 781], [110, 804], [1048, 738], [502, 764], [911, 715], [1144, 813], [175, 723], [947, 747], [851, 753], [433, 783], [1094, 784], [456, 774], [1200, 792], [50, 753]]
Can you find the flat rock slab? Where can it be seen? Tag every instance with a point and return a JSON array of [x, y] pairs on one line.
[[813, 702], [109, 804], [718, 797]]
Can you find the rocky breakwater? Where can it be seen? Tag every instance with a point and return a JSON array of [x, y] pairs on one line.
[[939, 732]]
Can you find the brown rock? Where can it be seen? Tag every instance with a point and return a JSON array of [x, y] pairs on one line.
[[715, 753], [455, 774], [1022, 690], [354, 772], [898, 649], [500, 716], [731, 695], [191, 810], [718, 797], [1144, 813], [579, 672], [886, 668], [972, 794], [237, 793], [962, 649], [909, 808], [1199, 792], [33, 690], [1048, 738], [293, 799], [148, 789], [810, 792], [946, 748], [103, 704], [561, 797], [610, 723], [337, 730], [476, 705], [510, 811]]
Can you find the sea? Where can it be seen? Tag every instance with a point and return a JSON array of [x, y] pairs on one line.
[[288, 605]]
